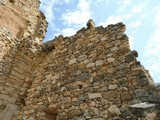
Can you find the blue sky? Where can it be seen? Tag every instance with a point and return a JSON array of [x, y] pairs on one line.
[[142, 19]]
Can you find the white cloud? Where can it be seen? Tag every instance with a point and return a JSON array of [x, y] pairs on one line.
[[67, 1], [99, 1], [131, 39], [123, 4], [134, 31], [47, 7], [153, 44], [128, 3], [78, 17], [115, 19], [112, 20], [153, 47], [157, 17], [68, 31], [154, 68], [135, 24], [137, 9]]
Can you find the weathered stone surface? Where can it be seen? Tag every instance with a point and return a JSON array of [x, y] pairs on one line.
[[110, 60], [126, 96], [82, 57], [92, 75], [143, 105], [99, 62], [4, 97], [94, 95], [114, 109], [116, 63], [8, 112], [110, 70], [74, 73], [90, 65], [90, 24], [114, 49], [145, 110], [97, 119], [110, 94], [12, 18], [52, 108], [111, 87], [72, 61], [83, 76], [140, 93]]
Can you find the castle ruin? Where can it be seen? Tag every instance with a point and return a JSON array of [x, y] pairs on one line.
[[93, 75]]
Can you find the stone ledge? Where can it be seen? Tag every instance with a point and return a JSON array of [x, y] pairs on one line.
[[143, 110], [143, 105]]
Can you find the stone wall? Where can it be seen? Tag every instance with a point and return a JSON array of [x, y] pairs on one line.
[[22, 28], [17, 61], [23, 19], [92, 75]]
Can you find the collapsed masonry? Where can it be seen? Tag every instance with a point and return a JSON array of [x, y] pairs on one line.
[[92, 75]]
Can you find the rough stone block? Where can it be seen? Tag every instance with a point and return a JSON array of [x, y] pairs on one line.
[[9, 112], [114, 49], [90, 65], [111, 87], [110, 60], [72, 61], [83, 76], [110, 94], [4, 97], [114, 109], [95, 95], [99, 62], [82, 57], [21, 76], [126, 96]]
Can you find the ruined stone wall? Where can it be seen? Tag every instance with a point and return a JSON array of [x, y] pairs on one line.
[[22, 28], [17, 61], [92, 75]]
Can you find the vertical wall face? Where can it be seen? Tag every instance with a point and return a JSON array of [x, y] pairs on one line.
[[22, 18], [22, 28], [17, 61], [92, 75]]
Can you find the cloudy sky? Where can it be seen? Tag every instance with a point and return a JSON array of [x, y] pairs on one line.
[[142, 18]]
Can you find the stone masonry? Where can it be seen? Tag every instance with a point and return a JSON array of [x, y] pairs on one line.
[[93, 75]]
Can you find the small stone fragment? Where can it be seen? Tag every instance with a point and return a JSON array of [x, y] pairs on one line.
[[90, 65], [114, 109], [72, 61], [90, 24], [95, 95], [110, 60]]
